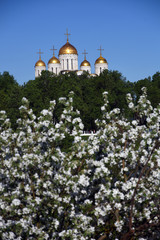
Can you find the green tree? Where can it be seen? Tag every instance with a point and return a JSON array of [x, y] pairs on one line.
[[153, 88], [10, 96]]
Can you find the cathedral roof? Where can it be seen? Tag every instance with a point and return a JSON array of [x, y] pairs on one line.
[[85, 63], [53, 60], [40, 63], [101, 60], [68, 49]]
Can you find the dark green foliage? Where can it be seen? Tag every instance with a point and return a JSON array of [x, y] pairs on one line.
[[88, 93], [10, 96], [153, 88]]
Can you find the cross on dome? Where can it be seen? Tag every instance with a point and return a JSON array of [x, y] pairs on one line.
[[53, 49], [40, 53], [84, 54], [100, 49], [67, 34]]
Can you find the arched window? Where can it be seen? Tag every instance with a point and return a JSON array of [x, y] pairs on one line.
[[63, 64], [52, 69], [67, 65], [56, 70], [72, 64], [38, 73], [100, 69]]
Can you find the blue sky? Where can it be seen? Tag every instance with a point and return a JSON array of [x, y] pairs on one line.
[[127, 30]]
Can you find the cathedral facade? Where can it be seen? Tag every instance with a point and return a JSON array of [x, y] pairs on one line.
[[68, 61]]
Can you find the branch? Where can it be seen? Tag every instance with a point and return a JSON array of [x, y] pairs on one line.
[[102, 237], [128, 235], [79, 168]]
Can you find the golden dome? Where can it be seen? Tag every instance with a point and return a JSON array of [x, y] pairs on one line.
[[68, 49], [85, 63], [53, 60], [40, 63], [100, 60]]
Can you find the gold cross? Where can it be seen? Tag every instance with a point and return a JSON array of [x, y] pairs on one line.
[[84, 54], [100, 50], [53, 49], [67, 34], [40, 53]]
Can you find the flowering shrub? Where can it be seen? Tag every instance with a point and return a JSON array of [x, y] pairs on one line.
[[105, 187]]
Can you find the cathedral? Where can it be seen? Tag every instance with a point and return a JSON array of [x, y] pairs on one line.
[[68, 61]]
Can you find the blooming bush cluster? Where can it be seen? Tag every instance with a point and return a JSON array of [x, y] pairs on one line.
[[102, 187]]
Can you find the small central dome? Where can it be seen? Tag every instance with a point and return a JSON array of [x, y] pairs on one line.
[[53, 60], [85, 63], [40, 63], [100, 60], [68, 49]]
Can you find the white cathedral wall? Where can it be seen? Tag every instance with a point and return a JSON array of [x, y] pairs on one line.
[[38, 70], [86, 68], [100, 67], [69, 61], [54, 67]]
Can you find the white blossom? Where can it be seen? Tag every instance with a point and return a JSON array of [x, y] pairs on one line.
[[16, 202]]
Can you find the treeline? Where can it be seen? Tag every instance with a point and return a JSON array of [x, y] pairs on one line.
[[88, 93]]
